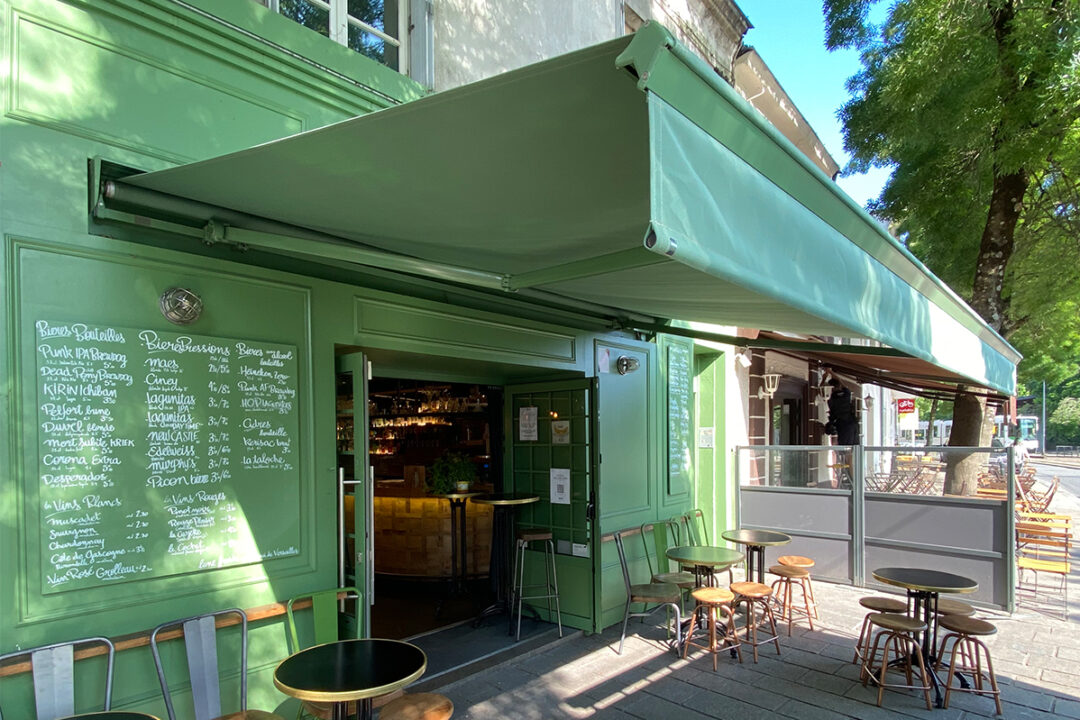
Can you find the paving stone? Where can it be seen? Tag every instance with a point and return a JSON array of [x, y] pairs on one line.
[[761, 696], [650, 707], [812, 678], [1067, 708]]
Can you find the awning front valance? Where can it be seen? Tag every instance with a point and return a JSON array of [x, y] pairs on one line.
[[626, 175]]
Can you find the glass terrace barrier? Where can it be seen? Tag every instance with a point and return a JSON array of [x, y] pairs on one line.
[[797, 466], [939, 471]]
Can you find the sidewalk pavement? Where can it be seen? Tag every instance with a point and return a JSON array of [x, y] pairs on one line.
[[1036, 658]]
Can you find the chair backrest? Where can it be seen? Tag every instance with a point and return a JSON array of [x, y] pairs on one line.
[[660, 536], [622, 555], [697, 532], [53, 668], [325, 605], [200, 643]]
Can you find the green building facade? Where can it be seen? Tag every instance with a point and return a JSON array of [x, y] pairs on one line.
[[324, 254]]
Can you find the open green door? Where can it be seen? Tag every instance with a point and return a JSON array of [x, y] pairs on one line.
[[355, 486], [553, 458]]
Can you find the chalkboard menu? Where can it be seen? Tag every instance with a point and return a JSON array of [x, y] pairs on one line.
[[680, 418], [162, 453]]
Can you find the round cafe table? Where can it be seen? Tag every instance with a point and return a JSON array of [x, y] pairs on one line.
[[923, 588], [705, 559], [347, 670], [502, 548], [459, 547], [756, 541]]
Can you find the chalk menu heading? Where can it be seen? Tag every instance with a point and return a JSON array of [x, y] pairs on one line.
[[162, 453]]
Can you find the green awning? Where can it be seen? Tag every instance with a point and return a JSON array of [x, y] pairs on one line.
[[627, 175]]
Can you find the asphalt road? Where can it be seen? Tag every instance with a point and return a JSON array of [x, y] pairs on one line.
[[1070, 476]]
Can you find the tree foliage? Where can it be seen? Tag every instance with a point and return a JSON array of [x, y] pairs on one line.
[[1063, 427], [976, 106]]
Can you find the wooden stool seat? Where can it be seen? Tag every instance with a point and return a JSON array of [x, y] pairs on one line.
[[946, 606], [655, 593], [715, 603], [753, 594], [883, 604], [900, 633], [712, 596], [875, 604], [795, 561], [790, 576], [968, 655], [897, 623], [789, 571], [547, 590], [250, 715], [967, 625], [418, 706], [753, 590], [533, 534]]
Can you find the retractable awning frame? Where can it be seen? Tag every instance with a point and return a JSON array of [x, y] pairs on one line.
[[625, 180]]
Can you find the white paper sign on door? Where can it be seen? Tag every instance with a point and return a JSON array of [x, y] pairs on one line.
[[560, 432], [560, 486], [527, 424]]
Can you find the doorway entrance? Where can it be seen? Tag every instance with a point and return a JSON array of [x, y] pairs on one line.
[[406, 435]]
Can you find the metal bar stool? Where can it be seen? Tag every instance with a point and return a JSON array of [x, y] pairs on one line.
[[806, 564], [969, 651], [714, 601], [754, 595], [899, 632], [551, 580], [875, 605], [789, 575]]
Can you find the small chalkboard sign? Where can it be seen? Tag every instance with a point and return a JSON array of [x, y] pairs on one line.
[[680, 397], [157, 452]]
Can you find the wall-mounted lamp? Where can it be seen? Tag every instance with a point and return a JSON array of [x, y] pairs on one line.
[[743, 358], [868, 402], [626, 365], [770, 382], [180, 306]]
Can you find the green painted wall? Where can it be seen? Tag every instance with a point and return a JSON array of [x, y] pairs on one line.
[[148, 84]]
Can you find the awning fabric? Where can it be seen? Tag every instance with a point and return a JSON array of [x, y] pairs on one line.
[[626, 175]]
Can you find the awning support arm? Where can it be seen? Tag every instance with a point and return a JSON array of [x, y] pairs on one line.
[[601, 265], [242, 229], [764, 343]]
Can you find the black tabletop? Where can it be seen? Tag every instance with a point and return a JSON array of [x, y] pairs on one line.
[[756, 537], [350, 670], [927, 580]]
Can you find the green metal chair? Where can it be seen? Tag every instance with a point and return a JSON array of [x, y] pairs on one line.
[[199, 635], [660, 595], [54, 673], [325, 612], [660, 536]]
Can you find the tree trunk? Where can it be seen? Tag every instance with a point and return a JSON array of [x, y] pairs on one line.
[[962, 469], [930, 423]]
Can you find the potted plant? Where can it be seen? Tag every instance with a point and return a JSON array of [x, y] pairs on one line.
[[453, 472]]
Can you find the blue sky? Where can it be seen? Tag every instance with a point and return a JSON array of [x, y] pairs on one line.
[[790, 36]]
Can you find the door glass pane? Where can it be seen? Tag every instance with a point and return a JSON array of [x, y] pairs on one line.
[[307, 14]]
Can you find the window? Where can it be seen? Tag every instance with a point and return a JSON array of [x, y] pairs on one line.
[[374, 28]]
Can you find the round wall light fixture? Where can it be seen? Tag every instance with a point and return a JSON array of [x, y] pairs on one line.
[[180, 306]]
